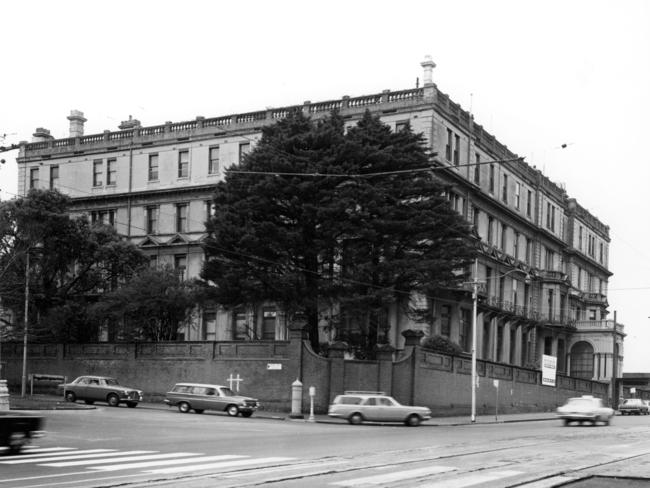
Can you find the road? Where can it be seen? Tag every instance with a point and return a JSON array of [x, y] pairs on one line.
[[156, 447]]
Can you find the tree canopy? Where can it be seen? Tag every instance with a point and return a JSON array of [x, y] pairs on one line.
[[71, 263], [338, 225], [152, 306]]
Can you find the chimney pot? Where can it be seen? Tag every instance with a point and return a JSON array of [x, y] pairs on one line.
[[428, 66], [77, 120]]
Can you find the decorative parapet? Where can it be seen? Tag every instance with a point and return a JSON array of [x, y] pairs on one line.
[[599, 325]]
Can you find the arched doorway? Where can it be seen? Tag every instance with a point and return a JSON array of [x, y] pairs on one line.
[[582, 360]]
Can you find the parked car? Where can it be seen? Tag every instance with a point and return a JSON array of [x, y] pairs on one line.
[[360, 406], [200, 397], [634, 406], [93, 389], [585, 409]]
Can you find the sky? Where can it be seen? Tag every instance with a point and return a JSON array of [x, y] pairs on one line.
[[536, 74]]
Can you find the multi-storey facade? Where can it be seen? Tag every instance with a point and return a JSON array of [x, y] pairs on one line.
[[543, 260]]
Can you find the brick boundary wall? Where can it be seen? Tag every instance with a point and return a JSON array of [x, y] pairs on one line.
[[268, 368]]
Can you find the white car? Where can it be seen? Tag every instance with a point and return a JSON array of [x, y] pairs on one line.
[[585, 409], [357, 406]]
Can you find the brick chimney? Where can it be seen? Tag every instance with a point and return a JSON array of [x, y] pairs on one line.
[[41, 135], [77, 120], [129, 124]]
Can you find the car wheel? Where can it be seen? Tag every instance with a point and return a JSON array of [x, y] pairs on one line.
[[113, 400], [355, 418], [184, 407], [232, 410], [412, 420], [70, 396], [131, 404], [567, 422], [607, 420], [89, 402], [16, 441], [199, 410], [246, 414]]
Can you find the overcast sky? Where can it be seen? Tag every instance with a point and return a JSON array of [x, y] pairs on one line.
[[537, 74]]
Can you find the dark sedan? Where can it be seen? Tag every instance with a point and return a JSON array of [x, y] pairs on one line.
[[93, 389]]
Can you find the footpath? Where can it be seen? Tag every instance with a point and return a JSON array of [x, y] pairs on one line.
[[52, 402]]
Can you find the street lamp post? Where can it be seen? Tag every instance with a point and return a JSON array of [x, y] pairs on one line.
[[26, 327], [475, 283], [474, 318]]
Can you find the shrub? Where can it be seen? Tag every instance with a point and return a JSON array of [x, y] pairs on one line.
[[441, 344]]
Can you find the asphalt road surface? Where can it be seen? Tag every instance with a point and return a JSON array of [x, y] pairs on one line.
[[154, 447]]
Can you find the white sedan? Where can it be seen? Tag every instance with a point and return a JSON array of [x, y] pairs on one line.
[[585, 409]]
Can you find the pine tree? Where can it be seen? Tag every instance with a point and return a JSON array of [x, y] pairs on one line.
[[316, 218]]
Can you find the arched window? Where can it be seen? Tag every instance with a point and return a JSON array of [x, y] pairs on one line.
[[582, 360]]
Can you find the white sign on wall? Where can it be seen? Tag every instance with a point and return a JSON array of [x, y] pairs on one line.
[[549, 368]]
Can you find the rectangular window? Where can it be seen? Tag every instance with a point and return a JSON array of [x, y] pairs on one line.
[[240, 326], [152, 220], [465, 329], [552, 218], [269, 316], [183, 163], [499, 343], [528, 250], [490, 235], [515, 247], [213, 164], [209, 326], [111, 171], [548, 215], [456, 150], [529, 204], [580, 238], [400, 126], [33, 178], [513, 345], [210, 209], [448, 146], [445, 320], [517, 195], [181, 217], [153, 261], [477, 170], [105, 217], [54, 177], [244, 149], [475, 217], [491, 181], [153, 167], [549, 260], [97, 172], [504, 189], [600, 254], [504, 237], [180, 266], [550, 304]]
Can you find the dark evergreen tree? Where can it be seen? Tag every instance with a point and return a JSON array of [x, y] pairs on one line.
[[318, 218]]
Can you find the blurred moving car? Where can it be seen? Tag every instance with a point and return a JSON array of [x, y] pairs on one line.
[[93, 389], [200, 397], [16, 431], [359, 406], [634, 406], [585, 409]]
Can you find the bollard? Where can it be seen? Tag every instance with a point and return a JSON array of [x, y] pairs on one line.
[[4, 395], [296, 400], [312, 394]]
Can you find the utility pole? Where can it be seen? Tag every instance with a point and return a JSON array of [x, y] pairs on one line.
[[614, 366]]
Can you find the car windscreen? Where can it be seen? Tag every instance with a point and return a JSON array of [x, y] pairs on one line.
[[111, 382], [228, 392]]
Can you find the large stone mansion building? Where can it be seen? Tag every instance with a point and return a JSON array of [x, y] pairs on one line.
[[543, 261]]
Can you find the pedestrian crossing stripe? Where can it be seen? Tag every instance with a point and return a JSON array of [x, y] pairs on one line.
[[127, 457], [77, 455], [158, 462]]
